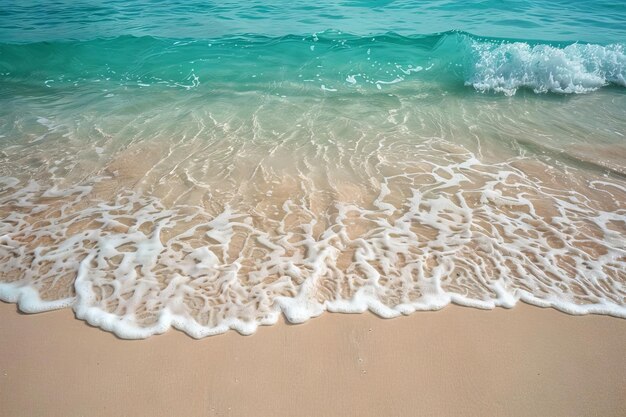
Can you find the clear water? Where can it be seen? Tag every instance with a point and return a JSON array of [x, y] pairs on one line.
[[211, 166]]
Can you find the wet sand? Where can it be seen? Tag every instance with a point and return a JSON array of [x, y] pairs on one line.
[[526, 361]]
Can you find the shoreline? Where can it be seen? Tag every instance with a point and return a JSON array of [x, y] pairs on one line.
[[456, 361]]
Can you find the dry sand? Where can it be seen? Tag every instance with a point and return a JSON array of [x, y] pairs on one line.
[[459, 361]]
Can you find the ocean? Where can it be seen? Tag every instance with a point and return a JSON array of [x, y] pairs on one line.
[[215, 165]]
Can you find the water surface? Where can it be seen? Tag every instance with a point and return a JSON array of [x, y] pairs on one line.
[[212, 166]]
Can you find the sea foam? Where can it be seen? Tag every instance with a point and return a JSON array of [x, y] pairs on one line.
[[452, 231], [577, 68]]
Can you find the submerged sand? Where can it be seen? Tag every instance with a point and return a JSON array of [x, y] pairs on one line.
[[526, 361]]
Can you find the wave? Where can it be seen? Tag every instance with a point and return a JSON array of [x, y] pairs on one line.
[[577, 68], [461, 231], [218, 184], [329, 62]]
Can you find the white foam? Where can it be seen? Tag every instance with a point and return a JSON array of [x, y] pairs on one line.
[[456, 230], [577, 68], [28, 298]]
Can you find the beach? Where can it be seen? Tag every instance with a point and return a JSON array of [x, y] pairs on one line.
[[353, 208], [525, 361]]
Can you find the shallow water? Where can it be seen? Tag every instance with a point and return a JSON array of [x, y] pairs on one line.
[[216, 174]]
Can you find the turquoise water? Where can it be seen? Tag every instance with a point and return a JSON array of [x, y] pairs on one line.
[[560, 20], [497, 45], [211, 166]]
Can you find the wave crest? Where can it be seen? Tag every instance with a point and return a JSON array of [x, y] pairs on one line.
[[576, 68]]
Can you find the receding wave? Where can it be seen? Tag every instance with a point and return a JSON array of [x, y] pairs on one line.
[[217, 184]]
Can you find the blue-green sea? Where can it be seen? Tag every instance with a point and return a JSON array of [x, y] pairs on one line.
[[213, 165]]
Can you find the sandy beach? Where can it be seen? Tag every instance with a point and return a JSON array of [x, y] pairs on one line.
[[526, 361], [313, 209]]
